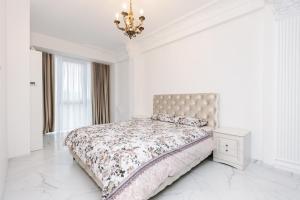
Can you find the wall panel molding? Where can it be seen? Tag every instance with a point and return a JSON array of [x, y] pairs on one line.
[[285, 8], [288, 93]]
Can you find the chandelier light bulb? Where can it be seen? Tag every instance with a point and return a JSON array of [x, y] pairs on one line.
[[117, 16], [124, 6], [141, 12]]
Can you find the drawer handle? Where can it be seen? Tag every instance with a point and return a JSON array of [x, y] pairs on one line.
[[226, 150], [226, 145]]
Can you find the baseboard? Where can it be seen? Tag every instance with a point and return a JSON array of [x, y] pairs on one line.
[[3, 174], [293, 167]]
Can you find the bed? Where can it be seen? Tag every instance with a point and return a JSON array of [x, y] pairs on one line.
[[136, 159]]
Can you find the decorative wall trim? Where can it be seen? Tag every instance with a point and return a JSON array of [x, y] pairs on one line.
[[285, 8], [287, 166], [121, 55], [208, 16], [288, 92]]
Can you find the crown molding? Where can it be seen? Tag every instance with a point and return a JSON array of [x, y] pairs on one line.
[[208, 16], [56, 45], [121, 54], [285, 8], [85, 51]]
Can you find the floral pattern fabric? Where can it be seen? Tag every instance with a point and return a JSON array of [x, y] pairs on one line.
[[191, 121], [118, 151], [164, 117]]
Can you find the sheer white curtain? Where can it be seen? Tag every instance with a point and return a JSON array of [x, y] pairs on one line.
[[72, 93]]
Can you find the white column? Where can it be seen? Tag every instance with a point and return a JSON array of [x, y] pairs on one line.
[[288, 90]]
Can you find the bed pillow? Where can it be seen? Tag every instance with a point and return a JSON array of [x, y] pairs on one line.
[[191, 121], [164, 117]]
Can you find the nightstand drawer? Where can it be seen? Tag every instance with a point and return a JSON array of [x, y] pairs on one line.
[[228, 147]]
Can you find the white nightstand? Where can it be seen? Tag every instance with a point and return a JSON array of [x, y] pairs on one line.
[[232, 147]]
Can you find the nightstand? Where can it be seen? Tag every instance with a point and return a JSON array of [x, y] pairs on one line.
[[232, 147]]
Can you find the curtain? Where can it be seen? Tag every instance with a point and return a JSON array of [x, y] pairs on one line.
[[73, 94], [100, 93], [48, 92]]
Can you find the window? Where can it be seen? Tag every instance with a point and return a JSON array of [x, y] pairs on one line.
[[72, 93]]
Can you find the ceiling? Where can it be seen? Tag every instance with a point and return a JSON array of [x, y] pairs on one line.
[[90, 22]]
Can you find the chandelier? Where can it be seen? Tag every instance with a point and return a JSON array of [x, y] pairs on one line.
[[131, 27]]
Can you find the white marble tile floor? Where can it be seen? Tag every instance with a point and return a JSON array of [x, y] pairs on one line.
[[51, 174]]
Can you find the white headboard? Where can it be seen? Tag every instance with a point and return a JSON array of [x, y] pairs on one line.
[[202, 106]]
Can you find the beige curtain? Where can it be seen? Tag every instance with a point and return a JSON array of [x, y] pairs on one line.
[[48, 92], [100, 93]]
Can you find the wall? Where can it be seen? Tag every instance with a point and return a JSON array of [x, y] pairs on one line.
[[36, 101], [17, 76], [248, 52], [225, 60], [268, 88], [120, 91], [228, 59], [3, 139]]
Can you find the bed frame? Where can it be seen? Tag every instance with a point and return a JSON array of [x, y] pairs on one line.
[[202, 105]]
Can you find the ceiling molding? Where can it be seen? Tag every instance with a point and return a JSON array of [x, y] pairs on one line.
[[206, 17], [55, 45], [121, 55], [285, 8]]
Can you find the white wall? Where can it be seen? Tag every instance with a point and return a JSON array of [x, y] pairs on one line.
[[268, 88], [17, 76], [227, 59], [120, 91], [36, 101], [3, 139]]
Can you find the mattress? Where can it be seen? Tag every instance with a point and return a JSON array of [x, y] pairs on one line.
[[137, 159]]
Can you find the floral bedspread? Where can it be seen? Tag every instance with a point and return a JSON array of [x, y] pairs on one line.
[[116, 153]]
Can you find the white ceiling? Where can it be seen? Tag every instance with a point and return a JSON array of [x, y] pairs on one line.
[[90, 22]]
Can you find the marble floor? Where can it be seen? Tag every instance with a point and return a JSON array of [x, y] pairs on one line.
[[51, 174]]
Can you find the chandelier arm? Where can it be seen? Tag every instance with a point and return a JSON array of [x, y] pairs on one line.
[[139, 29], [140, 24], [120, 28], [126, 27]]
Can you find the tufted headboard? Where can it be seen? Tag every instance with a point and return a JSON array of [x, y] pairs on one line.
[[202, 105]]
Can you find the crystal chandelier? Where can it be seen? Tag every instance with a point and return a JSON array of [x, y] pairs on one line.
[[131, 28]]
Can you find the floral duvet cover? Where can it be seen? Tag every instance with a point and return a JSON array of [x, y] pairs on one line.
[[118, 153]]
